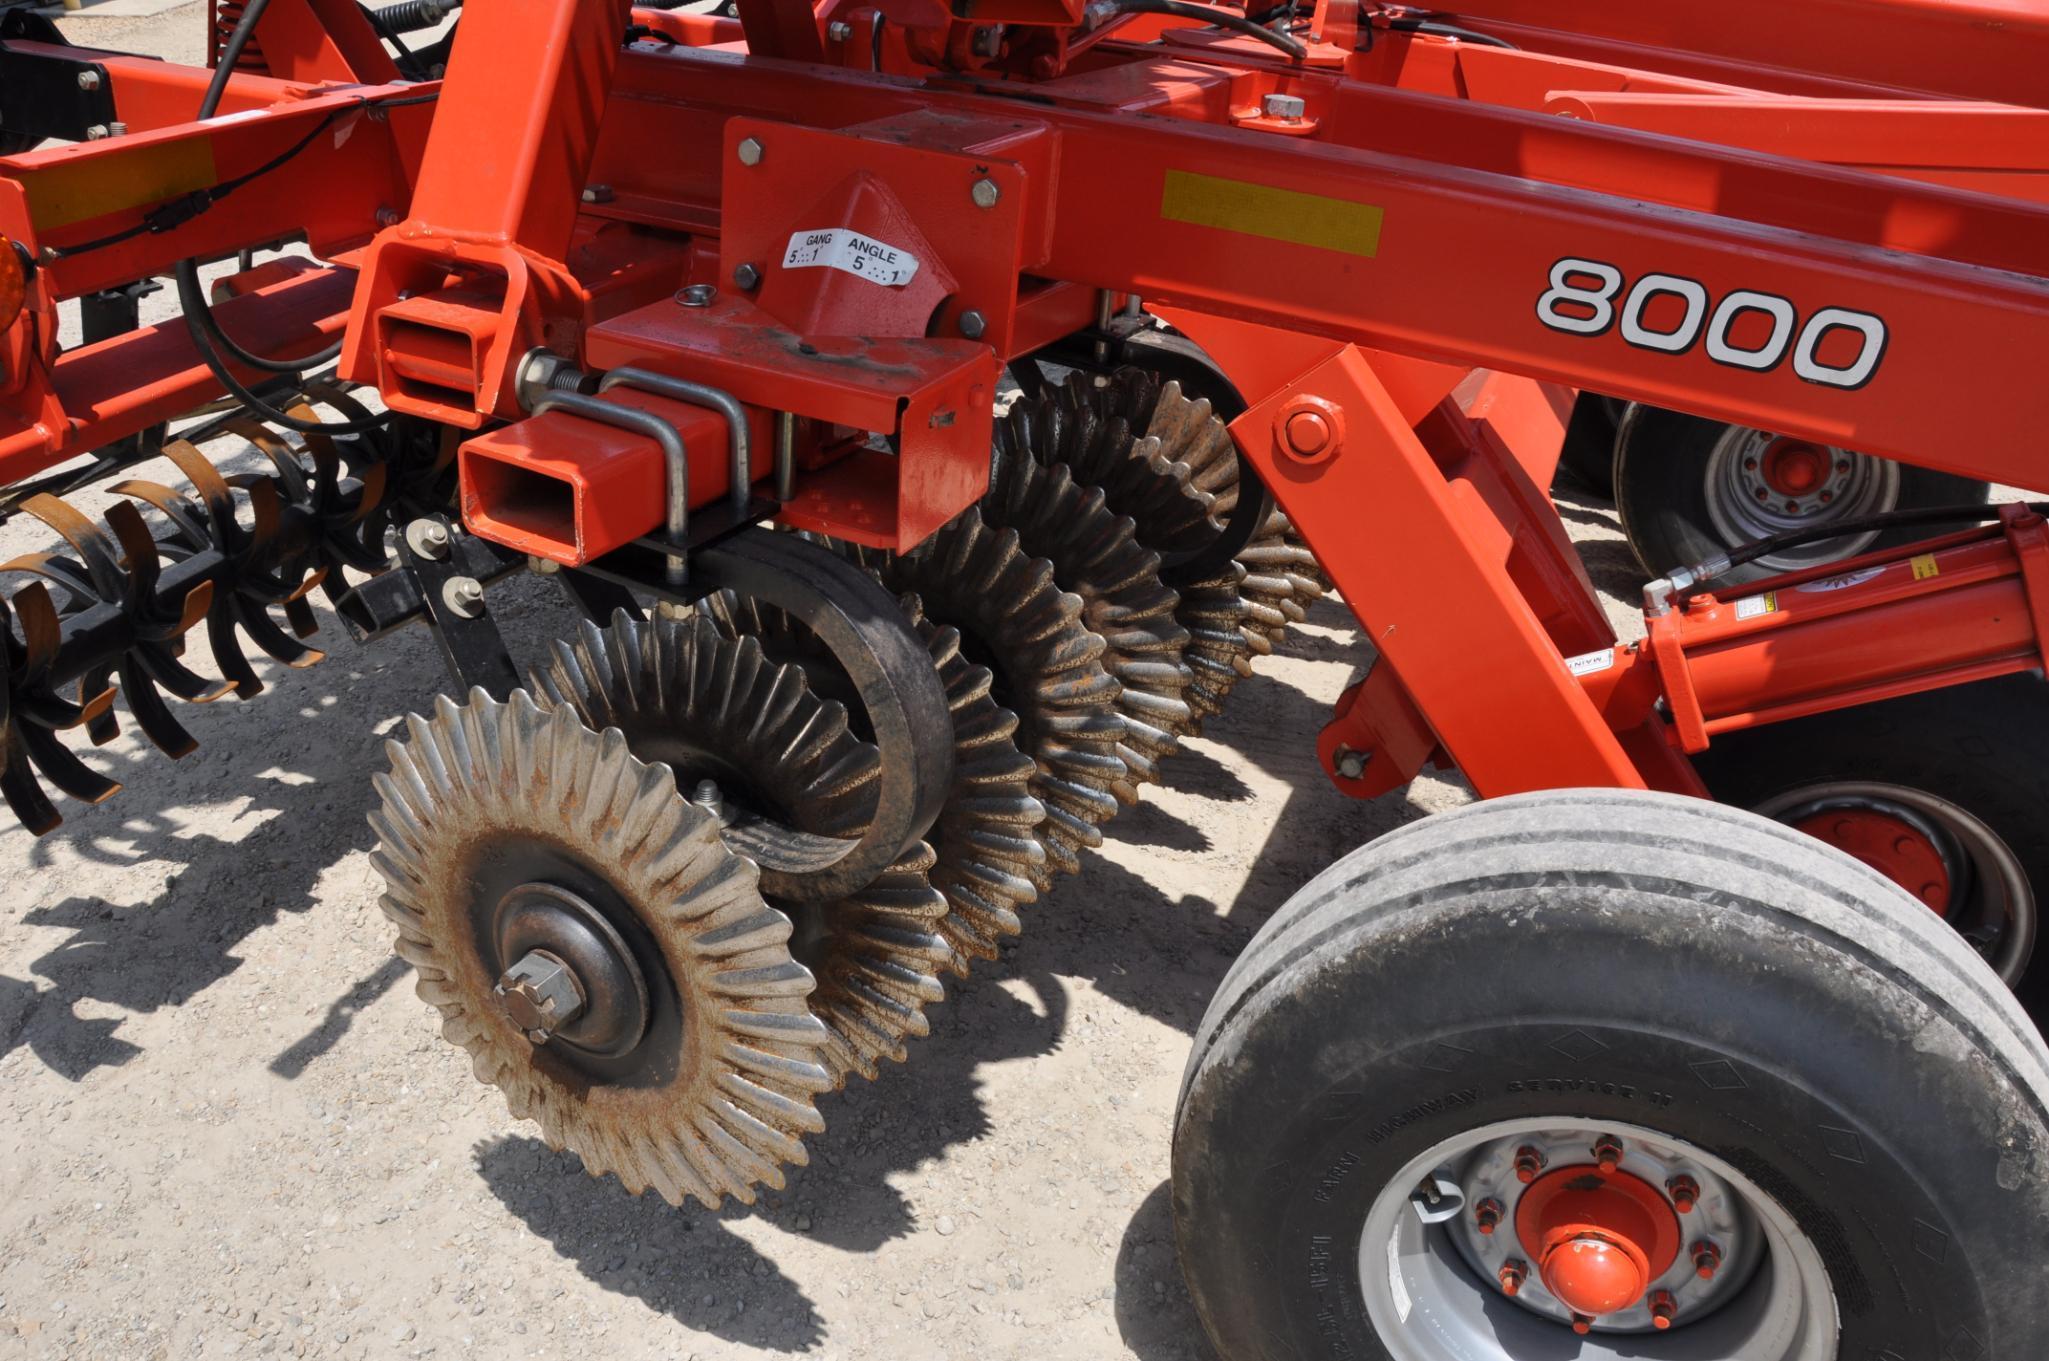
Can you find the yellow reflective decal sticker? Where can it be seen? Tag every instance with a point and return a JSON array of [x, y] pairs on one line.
[[1276, 214], [94, 186], [1924, 566]]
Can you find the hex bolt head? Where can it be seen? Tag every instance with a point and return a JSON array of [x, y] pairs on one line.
[[464, 596], [1512, 1275], [1707, 1259], [1528, 1163], [540, 994], [428, 538], [1284, 108], [88, 80], [839, 30], [1607, 1154], [746, 278], [697, 295], [750, 151], [972, 324], [1487, 1216], [985, 192], [388, 217], [1664, 1309], [1685, 1193], [97, 132]]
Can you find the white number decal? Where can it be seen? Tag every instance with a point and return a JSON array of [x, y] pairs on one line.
[[1600, 302], [1650, 286], [1581, 301], [1735, 305], [1829, 319]]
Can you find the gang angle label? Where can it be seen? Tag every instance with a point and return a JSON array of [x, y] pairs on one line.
[[844, 249]]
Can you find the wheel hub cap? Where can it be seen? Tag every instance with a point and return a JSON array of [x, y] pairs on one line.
[[570, 977], [1599, 1238], [1893, 846], [1795, 469]]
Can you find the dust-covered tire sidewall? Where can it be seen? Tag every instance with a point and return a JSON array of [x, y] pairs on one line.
[[1856, 1106]]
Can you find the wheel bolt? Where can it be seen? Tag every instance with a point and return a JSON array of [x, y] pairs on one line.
[[1685, 1193], [1513, 1274], [1608, 1154], [1707, 1260], [1663, 1310], [1487, 1216], [1528, 1163]]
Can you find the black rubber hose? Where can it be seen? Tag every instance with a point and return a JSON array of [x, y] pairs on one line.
[[207, 337], [1207, 14], [1437, 28], [1891, 519]]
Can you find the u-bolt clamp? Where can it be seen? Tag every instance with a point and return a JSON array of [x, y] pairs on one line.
[[697, 394], [677, 521]]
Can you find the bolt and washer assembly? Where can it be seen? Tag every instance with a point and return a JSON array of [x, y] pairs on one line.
[[540, 994]]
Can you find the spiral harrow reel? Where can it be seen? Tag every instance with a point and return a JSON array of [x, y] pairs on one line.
[[114, 614], [892, 756]]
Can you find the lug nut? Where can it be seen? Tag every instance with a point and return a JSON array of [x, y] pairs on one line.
[[1608, 1154], [1663, 1310], [1685, 1193], [540, 994], [1707, 1260], [1487, 1216], [1528, 1163], [1512, 1276]]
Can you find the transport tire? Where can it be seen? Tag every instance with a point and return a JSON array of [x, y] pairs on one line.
[[1861, 1110], [1688, 489], [1941, 791], [1588, 454]]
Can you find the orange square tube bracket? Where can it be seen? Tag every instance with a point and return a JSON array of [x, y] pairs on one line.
[[570, 490]]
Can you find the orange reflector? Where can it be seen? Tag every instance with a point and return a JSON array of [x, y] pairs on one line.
[[13, 283]]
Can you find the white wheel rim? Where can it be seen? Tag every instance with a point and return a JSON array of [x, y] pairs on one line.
[[1427, 1301], [1745, 502]]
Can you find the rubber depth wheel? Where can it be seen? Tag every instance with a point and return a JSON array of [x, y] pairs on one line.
[[1688, 489], [1956, 771], [1612, 991]]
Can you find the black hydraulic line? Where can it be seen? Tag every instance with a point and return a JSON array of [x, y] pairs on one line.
[[1205, 14]]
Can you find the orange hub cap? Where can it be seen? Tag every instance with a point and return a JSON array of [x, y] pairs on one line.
[[1794, 469], [1599, 1240], [1891, 845]]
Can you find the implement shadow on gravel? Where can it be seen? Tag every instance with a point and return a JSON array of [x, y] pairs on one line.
[[299, 759], [1155, 1317], [644, 1248], [157, 952]]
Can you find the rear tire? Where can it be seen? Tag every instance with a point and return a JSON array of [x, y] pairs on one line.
[[1637, 961], [1684, 497], [1588, 454], [1983, 748]]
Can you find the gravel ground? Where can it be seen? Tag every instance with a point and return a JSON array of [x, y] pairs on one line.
[[234, 1131]]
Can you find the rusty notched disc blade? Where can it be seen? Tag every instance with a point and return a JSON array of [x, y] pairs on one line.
[[493, 808], [715, 708]]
